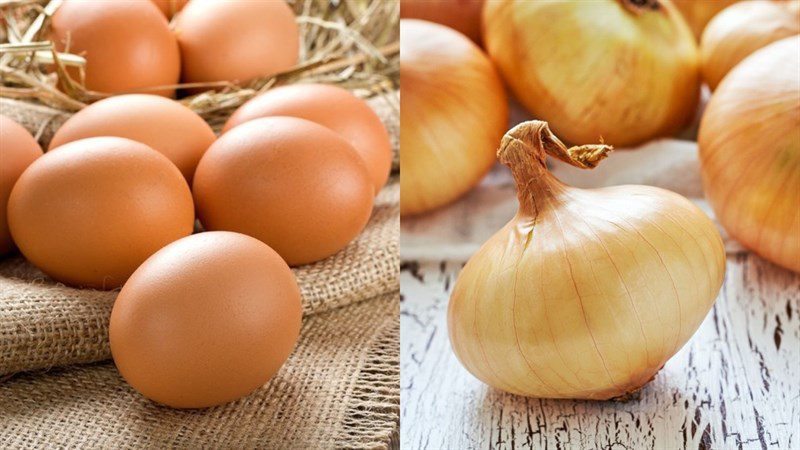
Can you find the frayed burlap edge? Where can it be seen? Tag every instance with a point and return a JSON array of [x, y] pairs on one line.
[[375, 397]]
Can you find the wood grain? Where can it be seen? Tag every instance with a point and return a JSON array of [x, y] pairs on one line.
[[733, 386]]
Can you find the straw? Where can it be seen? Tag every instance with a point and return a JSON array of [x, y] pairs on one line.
[[350, 43]]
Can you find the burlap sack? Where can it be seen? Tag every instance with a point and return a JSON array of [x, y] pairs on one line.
[[44, 324], [339, 389]]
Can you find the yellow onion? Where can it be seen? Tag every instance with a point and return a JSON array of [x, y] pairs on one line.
[[453, 112], [742, 29], [623, 70], [461, 15], [584, 293], [699, 12], [750, 152]]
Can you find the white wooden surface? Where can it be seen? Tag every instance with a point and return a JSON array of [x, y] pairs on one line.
[[735, 385]]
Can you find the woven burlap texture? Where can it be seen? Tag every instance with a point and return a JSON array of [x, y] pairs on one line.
[[44, 324], [339, 389]]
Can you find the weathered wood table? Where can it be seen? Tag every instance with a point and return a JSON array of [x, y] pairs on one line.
[[735, 385]]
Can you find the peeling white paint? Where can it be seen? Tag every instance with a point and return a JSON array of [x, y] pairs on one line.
[[733, 386]]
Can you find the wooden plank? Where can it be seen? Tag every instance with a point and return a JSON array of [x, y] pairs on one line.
[[733, 386]]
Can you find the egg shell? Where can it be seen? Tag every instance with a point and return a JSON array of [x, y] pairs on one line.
[[128, 45], [90, 212], [205, 320], [294, 184], [334, 108], [170, 7], [160, 123], [18, 149], [236, 40]]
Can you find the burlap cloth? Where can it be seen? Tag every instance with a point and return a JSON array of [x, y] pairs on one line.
[[340, 367], [339, 389]]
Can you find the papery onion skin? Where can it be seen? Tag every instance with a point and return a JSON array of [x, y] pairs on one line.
[[584, 294], [750, 152], [742, 29], [453, 112], [603, 69], [463, 16], [699, 12]]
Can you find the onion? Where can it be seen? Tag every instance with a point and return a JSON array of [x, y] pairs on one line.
[[623, 70], [750, 152], [742, 29], [461, 15], [699, 12], [453, 112], [584, 293]]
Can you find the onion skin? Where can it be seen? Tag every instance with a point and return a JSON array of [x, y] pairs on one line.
[[750, 152], [602, 69], [453, 112], [742, 29], [584, 294], [463, 16], [699, 12]]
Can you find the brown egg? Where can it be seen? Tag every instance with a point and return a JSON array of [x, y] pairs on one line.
[[236, 40], [163, 124], [18, 149], [127, 45], [332, 107], [170, 7], [90, 212], [206, 320], [295, 185]]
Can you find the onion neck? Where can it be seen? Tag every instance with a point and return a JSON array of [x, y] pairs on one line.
[[524, 150], [639, 6]]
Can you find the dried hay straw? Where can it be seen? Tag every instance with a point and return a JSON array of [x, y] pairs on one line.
[[350, 43]]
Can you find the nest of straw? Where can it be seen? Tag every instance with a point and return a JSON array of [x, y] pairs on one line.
[[351, 43]]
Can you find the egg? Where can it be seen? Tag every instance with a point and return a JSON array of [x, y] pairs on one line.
[[128, 45], [18, 149], [170, 7], [206, 320], [334, 108], [161, 123], [90, 212], [291, 183], [236, 40]]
